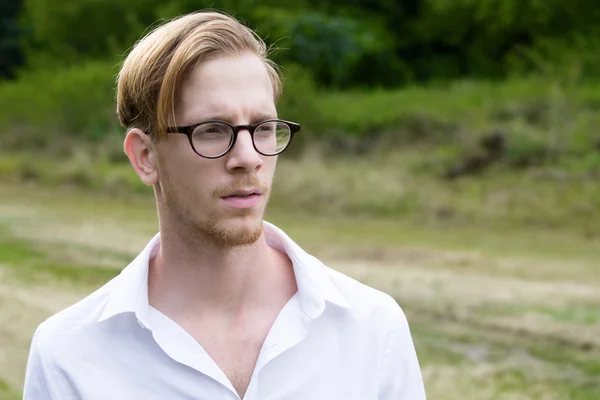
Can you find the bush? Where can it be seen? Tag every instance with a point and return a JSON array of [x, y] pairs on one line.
[[53, 107], [51, 111]]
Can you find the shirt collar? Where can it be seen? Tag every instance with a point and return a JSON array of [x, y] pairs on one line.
[[128, 292], [315, 287]]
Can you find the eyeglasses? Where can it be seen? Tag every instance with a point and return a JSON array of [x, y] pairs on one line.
[[214, 138]]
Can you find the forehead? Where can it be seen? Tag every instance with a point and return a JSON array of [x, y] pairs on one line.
[[237, 86]]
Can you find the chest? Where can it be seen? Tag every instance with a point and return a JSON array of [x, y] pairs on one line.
[[322, 362], [235, 354], [234, 347]]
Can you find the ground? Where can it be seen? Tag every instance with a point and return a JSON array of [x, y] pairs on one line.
[[495, 313]]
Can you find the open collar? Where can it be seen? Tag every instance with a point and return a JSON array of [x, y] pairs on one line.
[[128, 292]]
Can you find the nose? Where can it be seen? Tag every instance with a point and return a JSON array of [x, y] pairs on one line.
[[243, 157]]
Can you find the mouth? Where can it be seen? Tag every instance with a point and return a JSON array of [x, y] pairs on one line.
[[244, 193], [243, 198]]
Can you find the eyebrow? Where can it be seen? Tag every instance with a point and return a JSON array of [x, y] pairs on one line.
[[230, 117]]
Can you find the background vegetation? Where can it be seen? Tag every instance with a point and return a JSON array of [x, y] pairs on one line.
[[449, 154], [458, 90]]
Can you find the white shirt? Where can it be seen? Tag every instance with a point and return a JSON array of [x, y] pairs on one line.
[[335, 339]]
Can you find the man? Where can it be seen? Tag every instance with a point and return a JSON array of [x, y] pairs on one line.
[[219, 305]]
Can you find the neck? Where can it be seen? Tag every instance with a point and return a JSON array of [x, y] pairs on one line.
[[190, 274]]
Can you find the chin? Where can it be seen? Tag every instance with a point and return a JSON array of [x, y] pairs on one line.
[[234, 231]]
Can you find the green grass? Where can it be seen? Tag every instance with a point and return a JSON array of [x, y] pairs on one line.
[[370, 188], [28, 263], [18, 252], [475, 215], [466, 346], [582, 314], [8, 393], [500, 365]]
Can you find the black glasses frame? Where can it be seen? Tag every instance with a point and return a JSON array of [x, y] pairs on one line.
[[189, 130]]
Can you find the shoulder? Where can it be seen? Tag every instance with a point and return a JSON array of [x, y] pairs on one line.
[[367, 303], [359, 294], [62, 328], [56, 344], [400, 373]]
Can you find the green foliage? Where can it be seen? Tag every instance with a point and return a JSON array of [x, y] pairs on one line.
[[340, 51], [64, 32], [49, 108], [527, 147], [546, 121], [11, 56], [69, 30], [346, 43]]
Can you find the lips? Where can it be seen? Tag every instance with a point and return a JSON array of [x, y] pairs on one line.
[[243, 198], [244, 193]]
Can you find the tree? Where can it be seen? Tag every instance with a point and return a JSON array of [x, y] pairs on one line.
[[10, 34]]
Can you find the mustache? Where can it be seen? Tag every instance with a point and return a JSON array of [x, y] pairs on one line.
[[248, 182]]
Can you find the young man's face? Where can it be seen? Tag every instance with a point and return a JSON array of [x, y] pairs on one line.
[[194, 189]]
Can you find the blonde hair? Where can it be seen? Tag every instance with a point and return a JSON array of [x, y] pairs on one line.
[[149, 81]]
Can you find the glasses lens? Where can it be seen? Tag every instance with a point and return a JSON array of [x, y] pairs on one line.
[[272, 137], [212, 139]]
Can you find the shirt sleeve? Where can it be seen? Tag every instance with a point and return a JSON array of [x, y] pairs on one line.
[[401, 377], [41, 377]]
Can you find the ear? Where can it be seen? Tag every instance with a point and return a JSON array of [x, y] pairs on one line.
[[142, 154]]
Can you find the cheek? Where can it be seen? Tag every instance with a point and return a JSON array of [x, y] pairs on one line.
[[199, 178], [182, 174], [269, 166]]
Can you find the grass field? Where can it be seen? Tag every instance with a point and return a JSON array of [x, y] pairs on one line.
[[495, 313]]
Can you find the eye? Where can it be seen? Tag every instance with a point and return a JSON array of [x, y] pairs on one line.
[[212, 130], [266, 128]]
